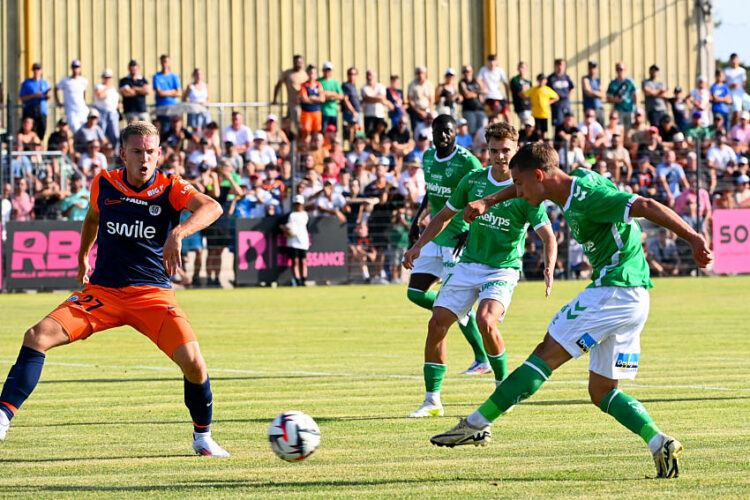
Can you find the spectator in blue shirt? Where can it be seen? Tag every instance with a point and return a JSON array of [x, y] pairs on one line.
[[670, 179], [720, 98], [34, 95], [168, 91], [560, 82], [463, 137]]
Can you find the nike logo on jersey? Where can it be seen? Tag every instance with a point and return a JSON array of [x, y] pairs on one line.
[[110, 201]]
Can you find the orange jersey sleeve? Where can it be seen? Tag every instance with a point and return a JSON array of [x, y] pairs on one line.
[[181, 193], [94, 191]]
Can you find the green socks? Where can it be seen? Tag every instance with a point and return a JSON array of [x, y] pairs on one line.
[[434, 374], [499, 366], [474, 337], [422, 299], [630, 413], [521, 384]]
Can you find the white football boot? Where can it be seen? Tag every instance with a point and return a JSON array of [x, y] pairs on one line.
[[203, 444]]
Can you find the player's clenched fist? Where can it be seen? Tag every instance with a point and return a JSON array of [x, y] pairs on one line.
[[475, 209], [83, 272], [410, 256]]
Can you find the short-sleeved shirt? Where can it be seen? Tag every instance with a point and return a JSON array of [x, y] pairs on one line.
[[442, 175], [493, 80], [169, 81], [654, 103], [30, 87], [330, 85], [419, 94], [74, 90], [626, 90], [599, 219], [562, 85], [135, 104], [673, 173], [497, 238], [351, 93], [517, 86], [736, 76], [308, 89], [720, 90], [76, 212], [540, 98], [134, 224], [373, 109]]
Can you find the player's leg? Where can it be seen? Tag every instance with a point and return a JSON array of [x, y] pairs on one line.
[[24, 374], [303, 266], [489, 313], [435, 357]]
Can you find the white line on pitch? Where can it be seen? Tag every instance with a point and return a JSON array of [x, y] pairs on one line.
[[383, 375]]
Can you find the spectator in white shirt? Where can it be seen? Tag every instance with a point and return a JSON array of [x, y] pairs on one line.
[[496, 82], [735, 80], [204, 154], [721, 157], [261, 153], [93, 157], [238, 134], [74, 96], [411, 183], [106, 101]]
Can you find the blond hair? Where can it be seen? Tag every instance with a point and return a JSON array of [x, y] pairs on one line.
[[137, 129]]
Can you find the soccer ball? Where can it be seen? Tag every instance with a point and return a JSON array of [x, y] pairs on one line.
[[294, 436]]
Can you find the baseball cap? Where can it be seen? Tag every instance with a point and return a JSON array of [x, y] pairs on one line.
[[75, 64], [643, 158], [203, 141], [329, 182], [93, 113], [298, 198], [593, 64], [639, 111], [742, 179], [107, 73], [423, 136], [653, 67], [653, 129], [327, 65], [62, 121], [260, 135], [331, 127], [743, 160], [677, 89], [413, 159], [384, 161], [272, 117], [701, 78], [696, 114], [678, 137], [133, 62], [529, 121], [745, 115], [461, 121], [541, 76], [450, 71], [36, 65]]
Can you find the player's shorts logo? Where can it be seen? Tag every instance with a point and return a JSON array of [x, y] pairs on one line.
[[154, 210], [586, 343], [627, 361]]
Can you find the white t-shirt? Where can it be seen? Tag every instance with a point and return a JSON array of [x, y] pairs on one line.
[[85, 161], [596, 129], [414, 183], [376, 109], [197, 157], [701, 98], [721, 157], [241, 137], [73, 90], [297, 225], [493, 80], [262, 156], [337, 202], [111, 98], [735, 76]]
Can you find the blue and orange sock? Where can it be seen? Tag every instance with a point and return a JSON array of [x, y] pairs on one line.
[[199, 401], [21, 381]]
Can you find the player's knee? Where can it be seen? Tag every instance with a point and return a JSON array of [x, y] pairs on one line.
[[486, 322], [195, 371], [439, 323], [598, 391], [44, 335]]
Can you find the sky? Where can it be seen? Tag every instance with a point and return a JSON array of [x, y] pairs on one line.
[[732, 35]]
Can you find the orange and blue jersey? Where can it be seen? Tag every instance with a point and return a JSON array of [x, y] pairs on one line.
[[134, 224], [311, 89]]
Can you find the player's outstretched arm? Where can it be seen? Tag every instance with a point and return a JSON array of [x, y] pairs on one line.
[[550, 255], [88, 237], [205, 212], [663, 216], [435, 227], [478, 208]]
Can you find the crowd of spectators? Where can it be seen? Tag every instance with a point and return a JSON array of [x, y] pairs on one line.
[[359, 147]]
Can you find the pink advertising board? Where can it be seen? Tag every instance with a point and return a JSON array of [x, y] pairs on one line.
[[731, 235]]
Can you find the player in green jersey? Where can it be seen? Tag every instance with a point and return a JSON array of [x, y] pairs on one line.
[[489, 267], [605, 319], [444, 167]]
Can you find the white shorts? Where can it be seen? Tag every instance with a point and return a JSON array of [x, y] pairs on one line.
[[435, 260], [606, 321], [469, 281]]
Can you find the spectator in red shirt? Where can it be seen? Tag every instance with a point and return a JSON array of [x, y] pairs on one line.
[[22, 204]]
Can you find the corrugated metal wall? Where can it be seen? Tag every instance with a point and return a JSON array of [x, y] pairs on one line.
[[243, 44]]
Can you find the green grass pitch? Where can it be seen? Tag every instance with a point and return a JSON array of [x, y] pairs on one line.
[[108, 419]]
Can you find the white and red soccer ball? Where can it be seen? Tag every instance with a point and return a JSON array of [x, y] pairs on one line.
[[294, 436]]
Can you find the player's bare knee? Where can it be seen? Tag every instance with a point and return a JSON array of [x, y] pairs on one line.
[[195, 370], [441, 320], [44, 335], [598, 389], [486, 322]]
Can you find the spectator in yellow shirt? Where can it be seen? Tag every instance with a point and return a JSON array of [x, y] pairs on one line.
[[541, 99]]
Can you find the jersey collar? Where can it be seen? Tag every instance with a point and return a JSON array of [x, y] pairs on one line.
[[570, 197], [447, 158], [496, 183], [139, 189]]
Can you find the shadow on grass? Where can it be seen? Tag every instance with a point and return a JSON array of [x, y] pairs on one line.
[[572, 402], [81, 459], [264, 485], [169, 379]]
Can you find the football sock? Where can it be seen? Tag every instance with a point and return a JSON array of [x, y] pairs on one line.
[[522, 383], [434, 373], [432, 397], [474, 337], [422, 299], [199, 401], [21, 381], [499, 365], [630, 413]]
